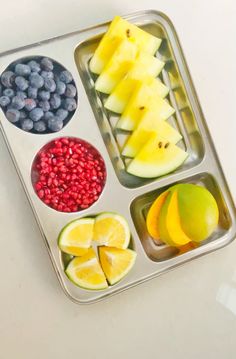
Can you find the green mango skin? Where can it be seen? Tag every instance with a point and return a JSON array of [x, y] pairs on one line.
[[199, 214]]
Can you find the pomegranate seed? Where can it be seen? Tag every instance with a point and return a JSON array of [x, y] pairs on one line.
[[64, 141], [55, 182], [71, 175], [41, 193], [38, 186]]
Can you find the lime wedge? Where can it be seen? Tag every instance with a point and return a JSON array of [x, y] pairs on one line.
[[111, 229], [116, 262], [76, 237], [86, 272]]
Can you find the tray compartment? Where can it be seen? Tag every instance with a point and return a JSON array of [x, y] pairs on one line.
[[140, 206], [65, 258], [58, 68], [60, 199], [184, 119]]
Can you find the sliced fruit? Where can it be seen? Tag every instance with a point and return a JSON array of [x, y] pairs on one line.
[[169, 223], [111, 229], [143, 98], [158, 157], [86, 272], [153, 215], [145, 65], [116, 262], [118, 30], [199, 214], [121, 94], [148, 125], [144, 68], [118, 66], [119, 97], [76, 237]]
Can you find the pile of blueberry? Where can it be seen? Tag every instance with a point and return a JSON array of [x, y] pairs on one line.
[[38, 95]]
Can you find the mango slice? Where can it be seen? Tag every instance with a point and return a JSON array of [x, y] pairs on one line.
[[153, 215], [169, 222]]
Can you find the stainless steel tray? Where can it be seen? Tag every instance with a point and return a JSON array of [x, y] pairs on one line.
[[123, 193]]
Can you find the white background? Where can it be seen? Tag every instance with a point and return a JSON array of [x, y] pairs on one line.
[[188, 313]]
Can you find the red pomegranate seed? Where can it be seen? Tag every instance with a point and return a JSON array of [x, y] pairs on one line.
[[41, 193], [71, 175], [38, 186]]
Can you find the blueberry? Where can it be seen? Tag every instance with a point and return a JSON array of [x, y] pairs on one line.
[[30, 104], [22, 70], [55, 124], [47, 74], [50, 85], [65, 76], [4, 101], [40, 126], [13, 115], [21, 94], [27, 124], [69, 104], [22, 115], [60, 87], [36, 114], [7, 78], [46, 64], [62, 114], [45, 105], [9, 107], [17, 103], [55, 101], [9, 93], [44, 95], [21, 83], [36, 80], [70, 90], [34, 65], [32, 92], [48, 115]]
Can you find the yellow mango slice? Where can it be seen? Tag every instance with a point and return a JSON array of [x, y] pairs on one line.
[[153, 215], [170, 228]]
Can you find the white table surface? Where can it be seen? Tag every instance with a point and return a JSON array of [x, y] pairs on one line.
[[188, 313]]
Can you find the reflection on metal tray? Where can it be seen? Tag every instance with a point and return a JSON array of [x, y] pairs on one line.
[[128, 195]]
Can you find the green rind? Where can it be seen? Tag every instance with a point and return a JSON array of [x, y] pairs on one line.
[[131, 169], [78, 283], [60, 236]]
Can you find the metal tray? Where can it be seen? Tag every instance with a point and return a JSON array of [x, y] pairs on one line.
[[126, 194]]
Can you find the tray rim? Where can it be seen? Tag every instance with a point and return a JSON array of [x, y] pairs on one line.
[[211, 144]]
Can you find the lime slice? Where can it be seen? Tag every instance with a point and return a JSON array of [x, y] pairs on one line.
[[111, 229], [86, 272], [76, 237], [116, 262]]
